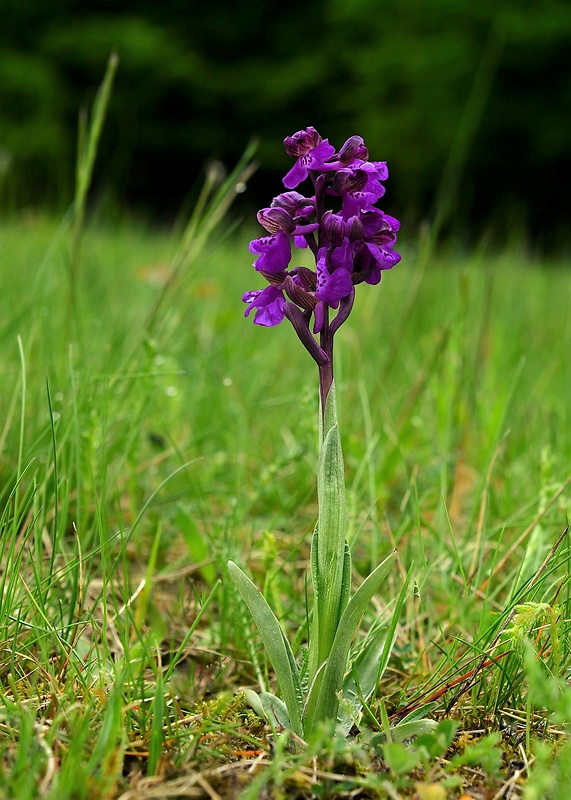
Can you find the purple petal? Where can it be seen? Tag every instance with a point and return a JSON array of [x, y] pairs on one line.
[[382, 170], [319, 316], [356, 202], [312, 158], [320, 154], [269, 303], [353, 150], [374, 221], [274, 252], [276, 219], [295, 203], [342, 257], [301, 142], [296, 175], [393, 222], [333, 227], [384, 258], [332, 287]]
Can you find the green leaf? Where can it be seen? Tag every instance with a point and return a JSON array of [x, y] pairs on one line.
[[253, 700], [409, 730], [370, 664], [401, 759], [329, 558], [329, 418], [156, 739], [346, 580], [331, 540], [366, 669], [392, 632], [275, 710], [277, 646], [437, 742], [416, 729], [315, 581], [269, 707], [333, 674], [420, 713]]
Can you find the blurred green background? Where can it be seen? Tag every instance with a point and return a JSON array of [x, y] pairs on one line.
[[468, 102]]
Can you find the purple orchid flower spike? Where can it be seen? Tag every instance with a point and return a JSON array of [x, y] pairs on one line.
[[352, 244]]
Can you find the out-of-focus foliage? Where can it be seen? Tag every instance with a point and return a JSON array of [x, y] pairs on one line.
[[470, 103]]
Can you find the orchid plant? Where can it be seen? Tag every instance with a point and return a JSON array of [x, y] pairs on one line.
[[352, 242]]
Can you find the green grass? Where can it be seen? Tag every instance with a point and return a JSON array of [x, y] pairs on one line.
[[148, 433]]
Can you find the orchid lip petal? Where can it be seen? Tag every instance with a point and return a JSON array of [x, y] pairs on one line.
[[269, 304]]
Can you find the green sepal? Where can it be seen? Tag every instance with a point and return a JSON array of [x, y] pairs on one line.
[[276, 644]]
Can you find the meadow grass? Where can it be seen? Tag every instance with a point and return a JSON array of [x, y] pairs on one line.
[[148, 433]]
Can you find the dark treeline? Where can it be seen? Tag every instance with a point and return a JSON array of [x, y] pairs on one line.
[[469, 102]]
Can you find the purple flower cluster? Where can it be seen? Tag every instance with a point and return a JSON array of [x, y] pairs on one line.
[[352, 241]]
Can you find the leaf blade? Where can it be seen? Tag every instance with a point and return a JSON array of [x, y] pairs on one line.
[[276, 644], [327, 702]]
